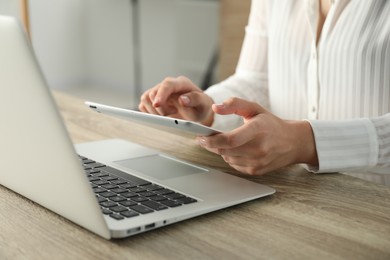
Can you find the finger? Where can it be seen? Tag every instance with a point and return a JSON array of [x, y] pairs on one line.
[[213, 150], [250, 148], [166, 110], [152, 93], [239, 107], [148, 108], [171, 86], [232, 139], [170, 107], [146, 104], [193, 99], [148, 99]]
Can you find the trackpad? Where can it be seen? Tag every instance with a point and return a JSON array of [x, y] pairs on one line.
[[160, 167]]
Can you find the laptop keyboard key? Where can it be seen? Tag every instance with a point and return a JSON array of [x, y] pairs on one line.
[[101, 182], [116, 216], [124, 175], [93, 178], [117, 198], [99, 190], [94, 165], [119, 190], [171, 203], [88, 161], [118, 208], [128, 185], [95, 172], [128, 203], [138, 199], [163, 192], [153, 205], [141, 209], [175, 196], [152, 187], [109, 178], [129, 214], [129, 194], [158, 198], [186, 200], [109, 186], [108, 204], [101, 199], [118, 181], [107, 194], [137, 189], [147, 194], [106, 211]]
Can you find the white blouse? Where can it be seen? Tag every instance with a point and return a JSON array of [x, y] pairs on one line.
[[340, 85]]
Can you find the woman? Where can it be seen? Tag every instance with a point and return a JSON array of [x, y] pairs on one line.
[[323, 66]]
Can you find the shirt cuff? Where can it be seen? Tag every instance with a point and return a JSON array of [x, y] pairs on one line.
[[344, 145]]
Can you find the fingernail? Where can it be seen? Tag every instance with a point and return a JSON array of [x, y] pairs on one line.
[[201, 141], [185, 99]]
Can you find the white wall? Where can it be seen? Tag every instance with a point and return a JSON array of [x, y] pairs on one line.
[[108, 44], [177, 38], [58, 38], [9, 7]]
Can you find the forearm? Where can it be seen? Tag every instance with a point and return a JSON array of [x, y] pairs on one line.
[[304, 150]]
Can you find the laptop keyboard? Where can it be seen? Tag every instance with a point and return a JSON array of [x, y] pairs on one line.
[[122, 195]]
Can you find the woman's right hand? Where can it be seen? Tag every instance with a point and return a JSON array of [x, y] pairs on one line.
[[178, 98]]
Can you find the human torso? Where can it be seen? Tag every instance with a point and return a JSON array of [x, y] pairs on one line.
[[339, 70]]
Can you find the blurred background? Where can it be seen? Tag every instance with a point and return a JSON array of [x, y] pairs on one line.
[[112, 50]]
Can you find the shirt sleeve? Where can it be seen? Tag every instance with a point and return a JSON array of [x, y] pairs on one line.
[[353, 145], [250, 80]]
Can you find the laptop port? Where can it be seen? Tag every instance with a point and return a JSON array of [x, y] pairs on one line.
[[134, 230], [149, 226]]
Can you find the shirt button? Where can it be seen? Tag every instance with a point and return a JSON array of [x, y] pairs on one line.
[[313, 109]]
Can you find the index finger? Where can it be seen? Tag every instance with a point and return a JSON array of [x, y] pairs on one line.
[[168, 87]]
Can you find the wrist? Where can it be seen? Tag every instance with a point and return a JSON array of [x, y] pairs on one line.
[[305, 147]]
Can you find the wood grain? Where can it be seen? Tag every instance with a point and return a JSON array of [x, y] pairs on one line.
[[25, 16], [233, 19], [329, 216]]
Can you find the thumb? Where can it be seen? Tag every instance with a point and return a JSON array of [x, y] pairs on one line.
[[239, 107]]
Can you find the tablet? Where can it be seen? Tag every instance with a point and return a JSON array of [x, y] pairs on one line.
[[167, 123]]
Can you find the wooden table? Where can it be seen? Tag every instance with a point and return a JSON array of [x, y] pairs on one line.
[[329, 216]]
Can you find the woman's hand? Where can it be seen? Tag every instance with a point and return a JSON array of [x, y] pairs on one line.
[[264, 142], [179, 98]]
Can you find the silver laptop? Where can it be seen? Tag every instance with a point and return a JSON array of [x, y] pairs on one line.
[[124, 188]]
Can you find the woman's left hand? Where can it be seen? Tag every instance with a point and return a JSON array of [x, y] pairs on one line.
[[264, 142]]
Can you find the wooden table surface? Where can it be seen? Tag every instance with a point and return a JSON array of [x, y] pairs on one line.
[[330, 216]]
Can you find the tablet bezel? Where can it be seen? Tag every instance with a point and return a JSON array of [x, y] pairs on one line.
[[151, 119]]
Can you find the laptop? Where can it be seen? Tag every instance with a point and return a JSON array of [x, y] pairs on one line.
[[113, 188]]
